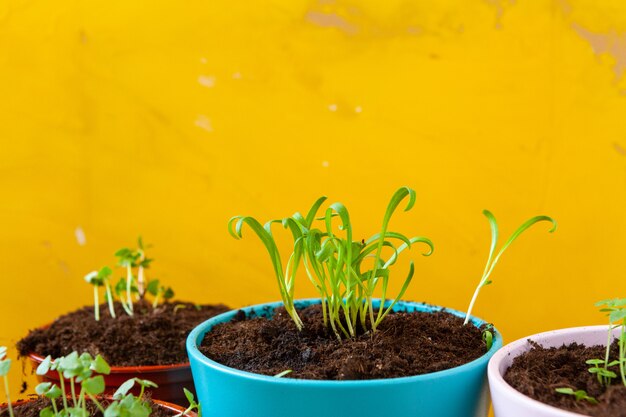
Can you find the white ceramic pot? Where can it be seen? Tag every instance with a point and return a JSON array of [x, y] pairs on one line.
[[508, 402]]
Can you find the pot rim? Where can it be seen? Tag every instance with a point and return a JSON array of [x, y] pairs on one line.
[[495, 376], [199, 331]]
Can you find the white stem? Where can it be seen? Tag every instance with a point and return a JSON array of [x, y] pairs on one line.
[[110, 300], [6, 391], [96, 304], [471, 306], [129, 280]]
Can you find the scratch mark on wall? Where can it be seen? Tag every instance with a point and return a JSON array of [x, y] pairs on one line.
[[331, 20], [619, 149], [612, 43]]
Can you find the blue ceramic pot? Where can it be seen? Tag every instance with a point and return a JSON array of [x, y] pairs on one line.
[[228, 392]]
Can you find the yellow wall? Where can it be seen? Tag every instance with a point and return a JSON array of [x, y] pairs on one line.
[[165, 118]]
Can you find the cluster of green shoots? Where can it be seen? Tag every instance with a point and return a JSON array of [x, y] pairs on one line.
[[345, 272], [615, 310], [132, 287], [84, 376]]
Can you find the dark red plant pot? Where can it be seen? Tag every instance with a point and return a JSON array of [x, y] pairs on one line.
[[171, 379]]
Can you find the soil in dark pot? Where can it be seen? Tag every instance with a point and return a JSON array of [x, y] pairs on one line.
[[146, 338]]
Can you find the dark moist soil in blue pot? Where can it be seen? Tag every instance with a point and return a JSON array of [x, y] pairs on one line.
[[540, 371], [405, 344], [33, 407], [152, 336]]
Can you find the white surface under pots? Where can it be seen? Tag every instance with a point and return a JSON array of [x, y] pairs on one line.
[[507, 401]]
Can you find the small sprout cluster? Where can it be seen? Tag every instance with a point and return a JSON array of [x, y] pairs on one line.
[[616, 312], [578, 394], [615, 309], [347, 272], [87, 371], [5, 367], [133, 286]]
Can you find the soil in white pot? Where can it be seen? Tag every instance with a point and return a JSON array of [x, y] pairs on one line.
[[540, 371]]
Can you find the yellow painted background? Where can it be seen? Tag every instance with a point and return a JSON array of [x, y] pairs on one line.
[[120, 118]]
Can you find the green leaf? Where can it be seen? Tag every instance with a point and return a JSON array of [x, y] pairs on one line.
[[46, 412], [113, 410], [44, 366], [100, 365], [168, 294], [283, 373], [124, 389], [146, 383], [94, 385], [153, 287], [43, 388], [5, 366], [567, 391], [189, 395]]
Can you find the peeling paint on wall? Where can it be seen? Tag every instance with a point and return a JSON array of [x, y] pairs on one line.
[[612, 43], [331, 20]]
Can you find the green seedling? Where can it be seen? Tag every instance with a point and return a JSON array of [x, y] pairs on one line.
[[126, 258], [142, 264], [345, 272], [493, 260], [283, 373], [98, 279], [129, 286], [75, 369], [616, 312], [488, 336], [155, 289], [5, 367], [578, 394], [600, 369], [193, 405], [87, 371]]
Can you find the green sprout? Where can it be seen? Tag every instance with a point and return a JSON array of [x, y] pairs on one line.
[[488, 336], [87, 371], [154, 288], [578, 394], [126, 258], [346, 273], [193, 405], [5, 367], [98, 279], [129, 286], [283, 373], [616, 311], [493, 260], [142, 264]]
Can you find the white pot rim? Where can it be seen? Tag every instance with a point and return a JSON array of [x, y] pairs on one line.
[[514, 349]]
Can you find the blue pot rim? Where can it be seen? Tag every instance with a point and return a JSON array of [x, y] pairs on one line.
[[197, 335]]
